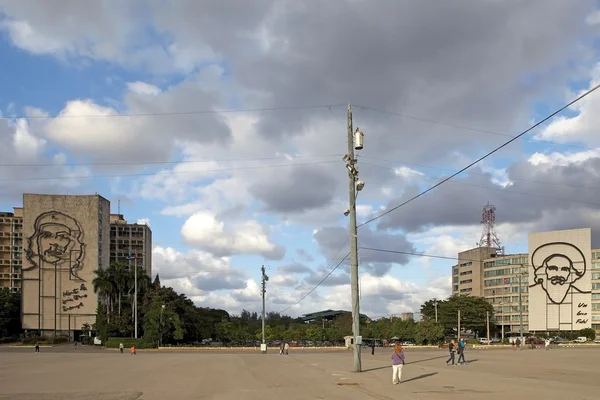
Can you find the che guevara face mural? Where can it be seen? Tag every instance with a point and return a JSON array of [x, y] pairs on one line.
[[57, 239]]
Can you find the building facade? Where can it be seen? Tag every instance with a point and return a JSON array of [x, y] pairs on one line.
[[11, 248], [555, 287], [65, 239], [130, 243]]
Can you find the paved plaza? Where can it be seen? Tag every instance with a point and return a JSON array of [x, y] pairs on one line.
[[65, 374]]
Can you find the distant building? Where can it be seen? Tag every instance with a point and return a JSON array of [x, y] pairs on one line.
[[408, 316], [49, 250], [130, 240], [554, 287], [11, 249], [327, 315], [66, 239]]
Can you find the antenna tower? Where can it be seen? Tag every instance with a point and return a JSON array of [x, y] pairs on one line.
[[488, 234]]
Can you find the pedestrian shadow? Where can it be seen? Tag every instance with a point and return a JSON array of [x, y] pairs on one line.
[[420, 377], [408, 363]]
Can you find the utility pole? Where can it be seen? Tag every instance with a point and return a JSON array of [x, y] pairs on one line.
[[435, 303], [487, 319], [521, 305], [353, 185], [265, 278], [135, 292], [458, 332]]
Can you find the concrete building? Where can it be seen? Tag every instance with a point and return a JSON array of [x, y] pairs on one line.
[[563, 295], [11, 248], [66, 238], [408, 316], [130, 240]]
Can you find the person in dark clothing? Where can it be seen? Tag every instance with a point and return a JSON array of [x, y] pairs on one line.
[[452, 350], [37, 347], [373, 348], [461, 351]]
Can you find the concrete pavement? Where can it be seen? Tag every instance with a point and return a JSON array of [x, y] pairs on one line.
[[105, 375]]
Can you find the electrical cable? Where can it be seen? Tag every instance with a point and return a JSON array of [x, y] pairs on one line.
[[410, 253], [586, 93], [171, 162], [172, 113], [468, 128], [503, 190], [168, 173], [471, 172], [322, 280]]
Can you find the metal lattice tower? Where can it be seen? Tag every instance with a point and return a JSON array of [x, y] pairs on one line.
[[488, 234]]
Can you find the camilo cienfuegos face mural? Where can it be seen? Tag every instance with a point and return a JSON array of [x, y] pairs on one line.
[[57, 241], [560, 287]]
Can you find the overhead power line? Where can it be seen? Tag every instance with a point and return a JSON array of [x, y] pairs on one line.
[[171, 113], [170, 162], [318, 284], [504, 190], [168, 173], [416, 254], [468, 128], [588, 92], [510, 178]]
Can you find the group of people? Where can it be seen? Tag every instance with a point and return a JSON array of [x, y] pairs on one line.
[[453, 348], [284, 348]]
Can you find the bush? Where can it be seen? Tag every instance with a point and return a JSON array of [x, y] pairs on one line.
[[114, 343], [45, 340]]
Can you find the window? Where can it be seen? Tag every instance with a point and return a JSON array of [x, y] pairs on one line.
[[466, 264], [595, 286], [466, 290], [595, 275], [466, 281], [595, 306], [466, 272], [596, 265], [455, 271], [455, 288], [455, 279], [595, 296]]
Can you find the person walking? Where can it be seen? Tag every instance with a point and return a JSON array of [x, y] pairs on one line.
[[461, 351], [281, 348], [133, 353], [373, 348], [398, 361], [547, 344], [37, 347], [121, 347], [286, 347], [452, 350]]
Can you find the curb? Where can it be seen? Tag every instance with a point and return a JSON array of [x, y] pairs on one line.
[[42, 346]]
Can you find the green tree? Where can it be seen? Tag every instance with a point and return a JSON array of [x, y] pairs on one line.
[[588, 333], [161, 321], [428, 332], [472, 311], [10, 313]]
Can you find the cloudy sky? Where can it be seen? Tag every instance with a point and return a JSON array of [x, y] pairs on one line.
[[223, 125]]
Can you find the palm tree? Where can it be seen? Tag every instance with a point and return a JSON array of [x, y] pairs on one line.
[[119, 277], [103, 285]]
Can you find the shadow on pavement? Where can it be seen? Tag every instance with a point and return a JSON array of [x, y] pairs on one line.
[[420, 377], [408, 363]]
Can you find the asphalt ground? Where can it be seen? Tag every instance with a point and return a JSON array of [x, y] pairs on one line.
[[90, 373]]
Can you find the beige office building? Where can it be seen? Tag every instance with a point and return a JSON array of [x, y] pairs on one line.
[[130, 240], [65, 239], [563, 295], [11, 248]]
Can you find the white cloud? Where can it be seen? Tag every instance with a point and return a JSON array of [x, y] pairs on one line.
[[143, 88], [205, 231], [143, 221]]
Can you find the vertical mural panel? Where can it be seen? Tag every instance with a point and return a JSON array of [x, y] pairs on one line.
[[560, 280]]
